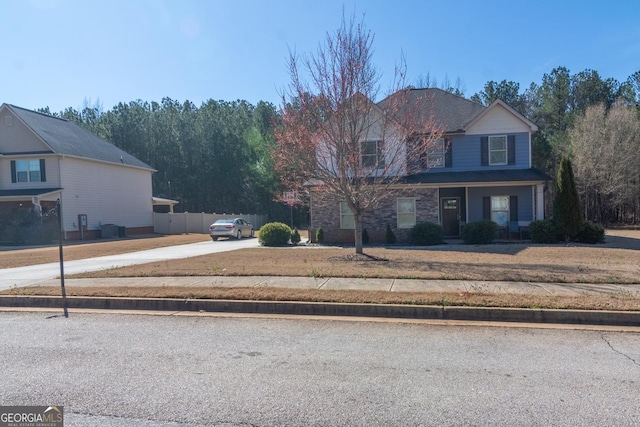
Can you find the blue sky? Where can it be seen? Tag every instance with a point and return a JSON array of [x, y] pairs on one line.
[[59, 53]]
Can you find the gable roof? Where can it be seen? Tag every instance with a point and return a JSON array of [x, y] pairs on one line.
[[453, 112], [499, 102], [67, 138]]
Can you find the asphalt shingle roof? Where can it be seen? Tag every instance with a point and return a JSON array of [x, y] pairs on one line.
[[67, 138], [505, 175], [451, 111], [28, 192]]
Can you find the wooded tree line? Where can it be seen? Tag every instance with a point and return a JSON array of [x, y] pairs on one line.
[[595, 122], [217, 157], [212, 158]]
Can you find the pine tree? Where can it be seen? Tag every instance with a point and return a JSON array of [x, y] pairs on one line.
[[566, 209]]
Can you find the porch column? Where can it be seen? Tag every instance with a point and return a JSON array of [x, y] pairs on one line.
[[539, 201], [36, 205]]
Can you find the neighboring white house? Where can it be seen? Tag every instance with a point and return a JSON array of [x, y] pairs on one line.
[[45, 158]]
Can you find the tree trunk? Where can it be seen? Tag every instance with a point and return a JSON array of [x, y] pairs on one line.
[[358, 233]]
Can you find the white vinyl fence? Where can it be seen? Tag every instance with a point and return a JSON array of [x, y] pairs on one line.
[[179, 223]]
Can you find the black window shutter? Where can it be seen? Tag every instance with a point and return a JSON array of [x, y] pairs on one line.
[[486, 207], [484, 151], [513, 208], [511, 149], [14, 178], [380, 154], [448, 146], [43, 172]]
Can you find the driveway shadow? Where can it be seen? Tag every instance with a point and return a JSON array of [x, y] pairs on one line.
[[621, 242]]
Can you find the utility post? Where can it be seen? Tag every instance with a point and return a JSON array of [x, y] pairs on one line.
[[290, 199], [60, 239]]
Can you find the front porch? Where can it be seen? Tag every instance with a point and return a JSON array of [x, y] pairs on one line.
[[28, 216], [512, 207]]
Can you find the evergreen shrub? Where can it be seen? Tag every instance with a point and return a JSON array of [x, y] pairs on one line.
[[544, 231], [295, 236], [590, 233], [275, 234], [479, 232], [566, 207], [390, 237], [426, 233]]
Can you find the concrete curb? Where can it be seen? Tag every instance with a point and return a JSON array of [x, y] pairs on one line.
[[488, 314]]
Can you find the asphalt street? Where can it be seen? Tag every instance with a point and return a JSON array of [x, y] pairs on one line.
[[142, 370], [25, 276]]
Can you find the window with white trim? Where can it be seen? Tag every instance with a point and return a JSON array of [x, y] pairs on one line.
[[406, 212], [371, 154], [28, 171], [500, 210], [347, 220], [498, 150], [435, 154]]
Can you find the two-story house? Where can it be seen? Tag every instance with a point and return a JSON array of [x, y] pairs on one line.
[[480, 169], [44, 159]]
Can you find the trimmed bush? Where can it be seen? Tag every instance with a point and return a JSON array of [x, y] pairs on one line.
[[426, 233], [274, 234], [295, 236], [590, 233], [319, 235], [479, 232], [390, 238], [365, 236], [544, 231]]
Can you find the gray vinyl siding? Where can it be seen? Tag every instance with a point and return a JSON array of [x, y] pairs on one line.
[[525, 200], [466, 153]]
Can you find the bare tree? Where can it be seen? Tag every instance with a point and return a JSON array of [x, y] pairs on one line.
[[333, 134], [605, 148], [427, 81]]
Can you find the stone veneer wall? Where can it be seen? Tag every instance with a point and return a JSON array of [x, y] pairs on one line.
[[325, 213]]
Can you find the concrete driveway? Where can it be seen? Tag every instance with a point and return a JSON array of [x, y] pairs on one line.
[[31, 275]]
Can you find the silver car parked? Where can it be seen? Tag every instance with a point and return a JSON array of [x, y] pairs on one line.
[[231, 227]]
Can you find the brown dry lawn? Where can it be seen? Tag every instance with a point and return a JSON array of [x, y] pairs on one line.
[[11, 257], [617, 261], [473, 298]]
